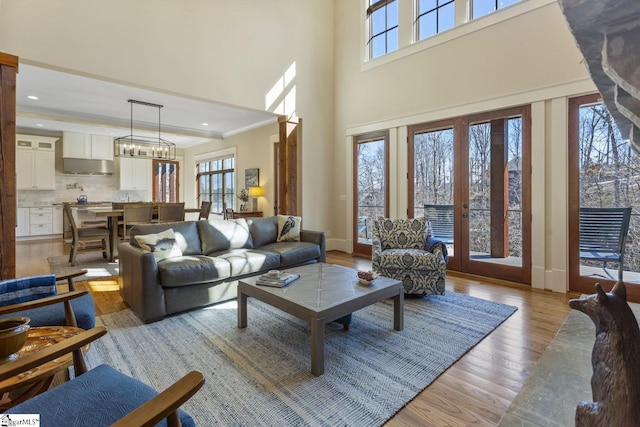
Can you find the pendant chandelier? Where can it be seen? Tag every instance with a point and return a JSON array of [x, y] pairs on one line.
[[144, 146]]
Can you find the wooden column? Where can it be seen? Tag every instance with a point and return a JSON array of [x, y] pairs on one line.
[[8, 201], [499, 190], [290, 138]]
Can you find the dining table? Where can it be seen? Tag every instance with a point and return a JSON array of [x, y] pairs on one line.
[[114, 216]]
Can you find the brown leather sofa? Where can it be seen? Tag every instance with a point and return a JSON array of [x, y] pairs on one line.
[[215, 254]]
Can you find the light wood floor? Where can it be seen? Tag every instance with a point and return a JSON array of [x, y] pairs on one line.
[[476, 390]]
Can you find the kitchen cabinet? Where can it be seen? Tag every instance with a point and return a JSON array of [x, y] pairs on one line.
[[35, 162], [22, 218], [76, 145], [57, 226], [40, 221], [135, 174]]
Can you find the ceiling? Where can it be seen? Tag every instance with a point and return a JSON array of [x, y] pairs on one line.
[[69, 102]]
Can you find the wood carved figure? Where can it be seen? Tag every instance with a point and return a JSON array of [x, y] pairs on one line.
[[615, 384]]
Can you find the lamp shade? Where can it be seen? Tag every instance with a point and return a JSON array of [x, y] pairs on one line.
[[256, 191]]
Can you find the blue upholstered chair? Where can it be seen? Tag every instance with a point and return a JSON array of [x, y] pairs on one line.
[[403, 249], [36, 298], [101, 396]]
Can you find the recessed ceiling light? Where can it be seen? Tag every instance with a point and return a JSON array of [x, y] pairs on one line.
[[205, 124], [40, 125], [33, 97]]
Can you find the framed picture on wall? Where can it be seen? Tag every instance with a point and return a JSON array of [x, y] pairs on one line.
[[251, 177]]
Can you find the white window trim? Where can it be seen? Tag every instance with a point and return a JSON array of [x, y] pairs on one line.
[[408, 47]]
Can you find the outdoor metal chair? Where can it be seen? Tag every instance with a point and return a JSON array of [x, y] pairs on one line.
[[441, 219], [603, 233]]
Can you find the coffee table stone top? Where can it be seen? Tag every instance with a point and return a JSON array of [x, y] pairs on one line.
[[322, 286]]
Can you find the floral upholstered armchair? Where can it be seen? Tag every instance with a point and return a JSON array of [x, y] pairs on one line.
[[404, 249]]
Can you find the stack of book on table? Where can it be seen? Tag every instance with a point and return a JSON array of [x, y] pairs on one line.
[[277, 280]]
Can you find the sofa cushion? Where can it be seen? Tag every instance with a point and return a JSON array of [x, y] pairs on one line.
[[162, 245], [263, 230], [289, 228], [223, 234], [185, 232], [192, 269], [247, 261], [409, 259], [294, 253], [402, 233]]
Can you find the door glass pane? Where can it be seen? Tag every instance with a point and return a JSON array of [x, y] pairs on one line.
[[495, 192], [371, 186], [433, 182], [608, 172]]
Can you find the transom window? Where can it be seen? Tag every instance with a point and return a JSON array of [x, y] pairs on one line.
[[434, 16], [483, 7], [382, 17], [215, 181]]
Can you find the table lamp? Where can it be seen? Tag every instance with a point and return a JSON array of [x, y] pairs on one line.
[[255, 192]]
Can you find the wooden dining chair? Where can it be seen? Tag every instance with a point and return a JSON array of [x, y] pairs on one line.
[[79, 235], [229, 214], [134, 214], [205, 210], [169, 212]]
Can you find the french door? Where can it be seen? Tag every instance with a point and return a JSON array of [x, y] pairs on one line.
[[478, 167], [603, 173], [166, 184], [370, 186]]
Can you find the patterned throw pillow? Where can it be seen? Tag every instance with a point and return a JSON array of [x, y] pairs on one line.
[[402, 233], [14, 291], [163, 245], [289, 228]]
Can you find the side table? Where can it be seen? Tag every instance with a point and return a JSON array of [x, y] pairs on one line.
[[24, 386]]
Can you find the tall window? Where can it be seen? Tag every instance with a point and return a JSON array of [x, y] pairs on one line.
[[165, 181], [484, 7], [382, 17], [434, 16], [216, 182]]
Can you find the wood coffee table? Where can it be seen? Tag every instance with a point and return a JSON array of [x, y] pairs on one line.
[[24, 386], [323, 293]]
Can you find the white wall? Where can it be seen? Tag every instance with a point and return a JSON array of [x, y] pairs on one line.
[[233, 52], [529, 58]]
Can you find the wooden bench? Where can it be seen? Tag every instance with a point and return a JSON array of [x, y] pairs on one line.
[[603, 233]]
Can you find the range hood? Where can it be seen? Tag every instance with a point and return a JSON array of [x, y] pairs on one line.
[[87, 166]]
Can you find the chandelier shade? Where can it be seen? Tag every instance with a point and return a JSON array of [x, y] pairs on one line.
[[144, 146]]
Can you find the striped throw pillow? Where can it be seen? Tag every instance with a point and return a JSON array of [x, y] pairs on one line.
[[14, 291]]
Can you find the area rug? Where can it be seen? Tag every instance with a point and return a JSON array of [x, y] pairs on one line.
[[260, 375], [561, 378], [93, 262]]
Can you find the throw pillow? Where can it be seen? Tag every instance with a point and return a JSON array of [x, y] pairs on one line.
[[289, 228], [163, 245], [14, 291]]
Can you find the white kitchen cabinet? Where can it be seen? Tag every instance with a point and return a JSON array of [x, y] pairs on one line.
[[40, 221], [22, 219], [101, 147], [135, 174], [35, 163], [78, 145], [57, 226]]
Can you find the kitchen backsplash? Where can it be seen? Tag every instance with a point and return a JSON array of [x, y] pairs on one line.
[[97, 188]]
